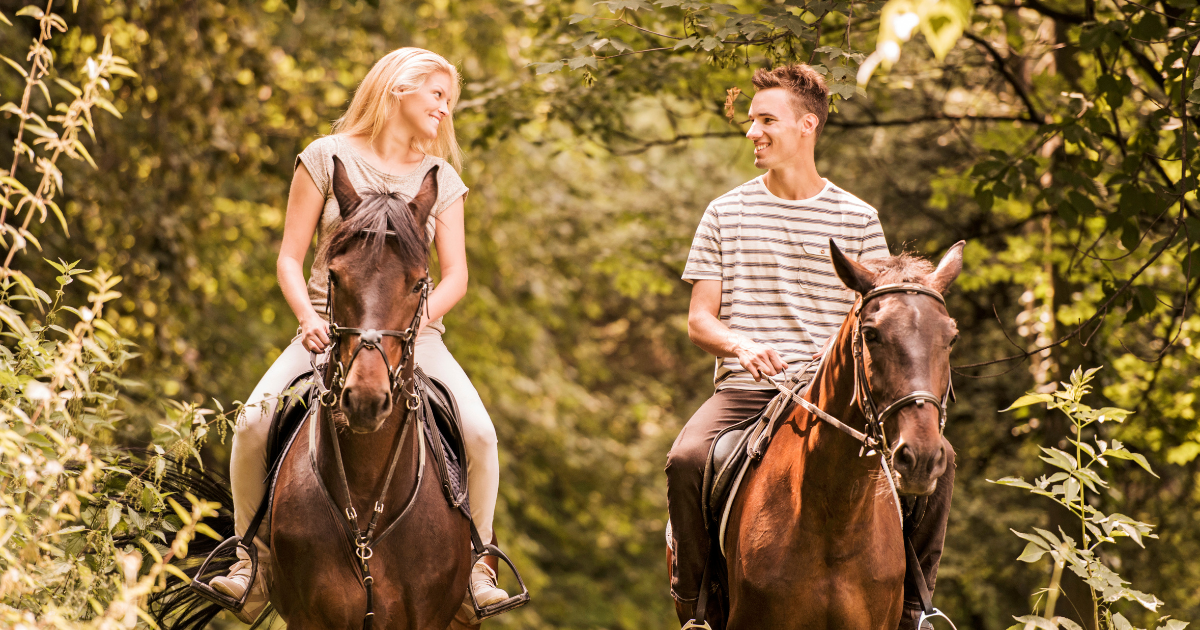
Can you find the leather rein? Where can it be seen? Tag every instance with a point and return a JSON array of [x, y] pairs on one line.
[[370, 340]]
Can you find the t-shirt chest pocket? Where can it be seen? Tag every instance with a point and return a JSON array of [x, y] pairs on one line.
[[817, 275]]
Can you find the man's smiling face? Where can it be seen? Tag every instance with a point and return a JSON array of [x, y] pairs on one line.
[[777, 129]]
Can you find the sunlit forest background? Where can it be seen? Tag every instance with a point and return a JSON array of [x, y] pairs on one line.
[[1057, 137]]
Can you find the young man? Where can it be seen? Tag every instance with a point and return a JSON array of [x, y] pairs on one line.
[[765, 299]]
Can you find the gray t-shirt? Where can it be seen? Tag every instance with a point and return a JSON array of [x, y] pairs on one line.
[[318, 159]]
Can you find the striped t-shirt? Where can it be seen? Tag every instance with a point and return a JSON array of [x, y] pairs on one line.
[[778, 285]]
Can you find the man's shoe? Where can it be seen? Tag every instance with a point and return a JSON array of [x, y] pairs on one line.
[[235, 584], [908, 620]]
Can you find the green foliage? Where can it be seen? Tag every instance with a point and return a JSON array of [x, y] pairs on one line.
[[82, 535], [1075, 487], [1051, 137]]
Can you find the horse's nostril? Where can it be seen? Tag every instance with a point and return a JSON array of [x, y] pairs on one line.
[[346, 394], [905, 458]]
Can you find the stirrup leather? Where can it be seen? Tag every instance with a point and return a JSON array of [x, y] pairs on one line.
[[516, 601], [201, 587]]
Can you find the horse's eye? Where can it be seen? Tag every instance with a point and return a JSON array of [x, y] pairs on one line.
[[418, 286], [954, 341], [871, 335]]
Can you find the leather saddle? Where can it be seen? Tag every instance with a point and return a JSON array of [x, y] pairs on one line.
[[732, 453]]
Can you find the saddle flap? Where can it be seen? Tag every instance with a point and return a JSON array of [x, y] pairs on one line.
[[441, 414], [295, 403], [725, 457]]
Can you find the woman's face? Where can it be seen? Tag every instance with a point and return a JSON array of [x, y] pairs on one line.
[[422, 111]]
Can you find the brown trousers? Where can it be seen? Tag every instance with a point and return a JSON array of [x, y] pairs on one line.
[[685, 476]]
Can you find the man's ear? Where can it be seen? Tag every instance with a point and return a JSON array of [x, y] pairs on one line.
[[343, 190]]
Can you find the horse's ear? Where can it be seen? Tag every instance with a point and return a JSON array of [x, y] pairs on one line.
[[853, 275], [343, 190], [948, 269], [422, 203]]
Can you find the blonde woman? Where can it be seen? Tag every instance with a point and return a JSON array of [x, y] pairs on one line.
[[398, 126]]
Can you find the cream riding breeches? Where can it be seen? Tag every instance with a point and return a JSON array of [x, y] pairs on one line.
[[248, 462]]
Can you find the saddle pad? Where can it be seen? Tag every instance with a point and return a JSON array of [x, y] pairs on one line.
[[295, 403], [443, 420]]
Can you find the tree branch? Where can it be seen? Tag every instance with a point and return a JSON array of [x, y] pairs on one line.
[[1002, 65]]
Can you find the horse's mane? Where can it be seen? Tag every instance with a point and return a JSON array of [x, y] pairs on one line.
[[377, 214], [904, 267]]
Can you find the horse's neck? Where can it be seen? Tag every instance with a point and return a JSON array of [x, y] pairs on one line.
[[833, 465], [367, 457]]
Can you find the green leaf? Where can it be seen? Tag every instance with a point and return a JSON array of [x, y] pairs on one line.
[[1015, 482], [15, 65], [113, 515], [547, 68], [1032, 553], [1173, 624], [1029, 399], [1121, 623], [1058, 458], [1067, 624], [1137, 458], [689, 42], [584, 41], [32, 11], [578, 17], [1037, 622], [580, 62]]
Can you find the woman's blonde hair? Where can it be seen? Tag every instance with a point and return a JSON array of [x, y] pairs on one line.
[[401, 72]]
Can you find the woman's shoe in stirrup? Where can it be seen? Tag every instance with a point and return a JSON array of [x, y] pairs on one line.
[[236, 583], [483, 585]]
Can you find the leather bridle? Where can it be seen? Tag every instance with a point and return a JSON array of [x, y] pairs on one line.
[[862, 387], [875, 438], [370, 339]]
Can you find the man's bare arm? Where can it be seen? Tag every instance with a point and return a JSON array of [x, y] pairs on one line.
[[706, 331]]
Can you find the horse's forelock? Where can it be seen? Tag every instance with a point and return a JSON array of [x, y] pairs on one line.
[[901, 268], [377, 214]]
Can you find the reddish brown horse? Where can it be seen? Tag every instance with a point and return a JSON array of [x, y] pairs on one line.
[[814, 537], [419, 549]]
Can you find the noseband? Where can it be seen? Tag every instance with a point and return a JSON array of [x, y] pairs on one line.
[[371, 339], [862, 387]]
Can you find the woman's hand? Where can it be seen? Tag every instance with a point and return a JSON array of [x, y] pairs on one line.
[[314, 334]]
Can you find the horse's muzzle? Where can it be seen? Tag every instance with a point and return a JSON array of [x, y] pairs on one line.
[[918, 469], [366, 408]]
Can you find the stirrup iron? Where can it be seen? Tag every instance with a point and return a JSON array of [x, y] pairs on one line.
[[199, 583], [516, 601]]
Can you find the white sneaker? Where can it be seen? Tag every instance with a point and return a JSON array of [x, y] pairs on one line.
[[483, 585], [236, 583]]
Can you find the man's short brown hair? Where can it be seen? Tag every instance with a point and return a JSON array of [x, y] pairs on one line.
[[805, 85]]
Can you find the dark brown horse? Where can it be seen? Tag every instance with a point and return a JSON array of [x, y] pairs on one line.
[[814, 537], [419, 550]]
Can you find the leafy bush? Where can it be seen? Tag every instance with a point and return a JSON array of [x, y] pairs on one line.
[[1077, 487], [83, 530]]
